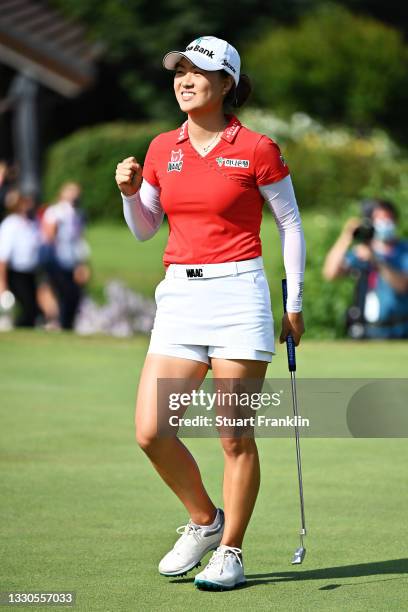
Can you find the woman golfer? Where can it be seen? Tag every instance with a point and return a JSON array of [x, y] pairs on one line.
[[211, 177]]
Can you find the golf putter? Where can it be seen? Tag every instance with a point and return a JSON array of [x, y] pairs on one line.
[[300, 552]]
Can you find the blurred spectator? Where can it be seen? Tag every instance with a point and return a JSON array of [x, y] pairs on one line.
[[19, 250], [379, 261], [65, 252]]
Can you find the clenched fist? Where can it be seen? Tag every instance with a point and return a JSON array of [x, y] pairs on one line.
[[129, 176]]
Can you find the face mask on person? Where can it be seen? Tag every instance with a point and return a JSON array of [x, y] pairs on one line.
[[385, 230]]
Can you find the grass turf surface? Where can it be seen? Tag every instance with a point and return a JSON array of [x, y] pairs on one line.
[[83, 510]]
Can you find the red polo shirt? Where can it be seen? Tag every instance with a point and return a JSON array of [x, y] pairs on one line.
[[213, 204]]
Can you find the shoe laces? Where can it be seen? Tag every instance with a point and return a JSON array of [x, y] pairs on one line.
[[221, 553], [188, 530]]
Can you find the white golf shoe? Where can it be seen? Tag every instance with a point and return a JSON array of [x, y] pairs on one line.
[[190, 548], [224, 570]]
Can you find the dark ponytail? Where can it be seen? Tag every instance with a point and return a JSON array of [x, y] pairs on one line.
[[238, 95]]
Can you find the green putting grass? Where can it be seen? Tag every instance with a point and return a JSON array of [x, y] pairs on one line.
[[82, 509]]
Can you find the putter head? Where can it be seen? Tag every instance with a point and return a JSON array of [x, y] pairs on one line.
[[299, 555]]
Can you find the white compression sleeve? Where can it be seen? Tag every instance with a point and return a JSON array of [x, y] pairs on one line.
[[143, 211], [281, 199]]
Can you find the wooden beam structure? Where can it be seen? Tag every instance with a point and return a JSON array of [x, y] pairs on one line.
[[45, 49], [53, 50]]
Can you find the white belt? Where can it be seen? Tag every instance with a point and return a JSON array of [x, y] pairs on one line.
[[210, 270]]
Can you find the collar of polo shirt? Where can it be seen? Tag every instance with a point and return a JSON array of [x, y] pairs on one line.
[[228, 134]]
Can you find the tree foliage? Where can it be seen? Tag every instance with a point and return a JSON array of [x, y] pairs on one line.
[[308, 55], [90, 156], [333, 65], [137, 33]]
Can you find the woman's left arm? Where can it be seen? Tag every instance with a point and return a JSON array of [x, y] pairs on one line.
[[281, 199]]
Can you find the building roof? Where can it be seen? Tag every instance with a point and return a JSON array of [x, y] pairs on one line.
[[39, 41]]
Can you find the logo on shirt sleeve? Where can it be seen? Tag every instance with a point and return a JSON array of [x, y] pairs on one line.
[[176, 161], [232, 163]]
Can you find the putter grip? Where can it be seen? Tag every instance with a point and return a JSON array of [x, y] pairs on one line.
[[290, 343]]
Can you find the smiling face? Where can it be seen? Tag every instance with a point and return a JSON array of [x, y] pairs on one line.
[[199, 90]]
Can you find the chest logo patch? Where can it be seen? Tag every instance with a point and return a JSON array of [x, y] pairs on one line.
[[232, 163], [176, 161]]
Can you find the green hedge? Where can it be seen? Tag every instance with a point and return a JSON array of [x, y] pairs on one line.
[[334, 166], [328, 180], [90, 156], [325, 303]]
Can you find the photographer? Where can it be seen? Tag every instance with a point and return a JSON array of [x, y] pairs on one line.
[[379, 260]]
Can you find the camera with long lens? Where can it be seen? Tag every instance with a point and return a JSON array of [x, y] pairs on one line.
[[365, 231]]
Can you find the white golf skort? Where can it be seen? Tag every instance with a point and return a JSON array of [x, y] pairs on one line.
[[214, 310]]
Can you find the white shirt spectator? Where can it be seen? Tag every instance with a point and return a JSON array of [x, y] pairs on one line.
[[70, 248], [19, 243]]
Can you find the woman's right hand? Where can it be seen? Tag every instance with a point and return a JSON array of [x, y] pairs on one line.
[[129, 176]]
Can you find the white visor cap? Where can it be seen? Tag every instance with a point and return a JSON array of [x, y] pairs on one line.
[[208, 53]]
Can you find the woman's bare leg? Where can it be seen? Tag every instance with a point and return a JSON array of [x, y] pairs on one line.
[[170, 457], [241, 467]]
